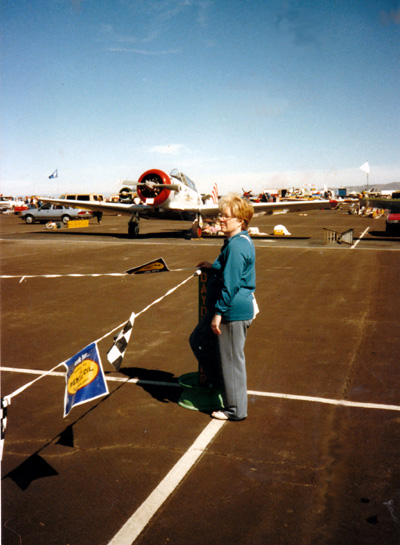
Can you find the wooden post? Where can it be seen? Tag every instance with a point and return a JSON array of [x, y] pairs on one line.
[[203, 282]]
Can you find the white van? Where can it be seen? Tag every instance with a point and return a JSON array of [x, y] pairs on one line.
[[83, 197]]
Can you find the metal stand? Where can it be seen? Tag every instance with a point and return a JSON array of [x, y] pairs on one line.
[[334, 236]]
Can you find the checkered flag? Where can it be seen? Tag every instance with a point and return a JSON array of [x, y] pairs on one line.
[[4, 404], [116, 353]]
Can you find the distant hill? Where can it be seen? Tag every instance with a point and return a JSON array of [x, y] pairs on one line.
[[393, 186]]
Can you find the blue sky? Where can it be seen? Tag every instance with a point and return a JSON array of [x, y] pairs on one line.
[[248, 94]]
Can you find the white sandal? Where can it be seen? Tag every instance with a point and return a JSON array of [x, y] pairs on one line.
[[219, 415]]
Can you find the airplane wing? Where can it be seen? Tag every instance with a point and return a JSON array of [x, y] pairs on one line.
[[208, 211], [99, 206], [271, 207], [293, 205]]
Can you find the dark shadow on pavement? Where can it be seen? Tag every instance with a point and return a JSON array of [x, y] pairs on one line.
[[160, 392], [382, 235], [34, 467], [169, 233], [263, 237]]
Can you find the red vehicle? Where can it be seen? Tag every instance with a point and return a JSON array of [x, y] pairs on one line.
[[393, 223], [21, 208]]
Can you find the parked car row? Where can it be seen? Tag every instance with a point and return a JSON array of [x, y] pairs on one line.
[[9, 203]]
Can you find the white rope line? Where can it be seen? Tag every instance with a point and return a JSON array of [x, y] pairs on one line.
[[45, 373], [136, 380], [75, 275], [72, 275], [151, 304]]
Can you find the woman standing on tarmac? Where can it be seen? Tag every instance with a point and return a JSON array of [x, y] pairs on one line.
[[218, 340]]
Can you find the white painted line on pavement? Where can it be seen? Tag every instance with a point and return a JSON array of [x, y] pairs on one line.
[[339, 402], [141, 517], [355, 244], [138, 381]]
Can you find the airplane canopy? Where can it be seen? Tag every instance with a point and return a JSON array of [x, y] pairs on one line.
[[183, 178]]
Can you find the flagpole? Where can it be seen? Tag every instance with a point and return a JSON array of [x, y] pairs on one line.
[[365, 168]]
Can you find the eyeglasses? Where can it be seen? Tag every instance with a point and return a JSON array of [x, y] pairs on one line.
[[225, 218]]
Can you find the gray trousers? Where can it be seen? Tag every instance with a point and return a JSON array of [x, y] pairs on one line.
[[223, 360]]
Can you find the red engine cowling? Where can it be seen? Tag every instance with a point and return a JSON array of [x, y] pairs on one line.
[[159, 194]]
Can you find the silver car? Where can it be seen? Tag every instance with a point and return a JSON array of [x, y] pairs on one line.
[[54, 212]]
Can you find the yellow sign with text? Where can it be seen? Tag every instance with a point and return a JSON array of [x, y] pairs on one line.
[[155, 266], [83, 374]]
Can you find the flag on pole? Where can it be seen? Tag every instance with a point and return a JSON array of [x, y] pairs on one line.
[[54, 175], [116, 353], [4, 404], [365, 167], [155, 266], [85, 378]]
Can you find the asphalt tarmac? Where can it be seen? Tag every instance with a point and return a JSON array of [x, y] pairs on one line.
[[315, 463]]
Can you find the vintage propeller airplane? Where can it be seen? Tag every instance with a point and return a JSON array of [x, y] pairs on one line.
[[175, 196]]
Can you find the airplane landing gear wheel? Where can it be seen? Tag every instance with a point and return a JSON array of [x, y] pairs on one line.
[[196, 230], [133, 230]]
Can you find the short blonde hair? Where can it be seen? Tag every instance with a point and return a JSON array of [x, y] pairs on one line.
[[240, 208]]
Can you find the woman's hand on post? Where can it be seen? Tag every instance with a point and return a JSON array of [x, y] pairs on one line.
[[204, 265], [215, 323]]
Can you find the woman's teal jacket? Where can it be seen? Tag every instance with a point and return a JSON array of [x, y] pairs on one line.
[[233, 282]]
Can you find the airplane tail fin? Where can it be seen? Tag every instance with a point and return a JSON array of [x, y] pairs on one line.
[[214, 193]]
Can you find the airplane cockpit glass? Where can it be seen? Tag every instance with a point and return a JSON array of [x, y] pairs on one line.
[[183, 178]]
